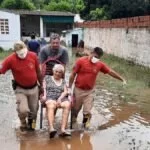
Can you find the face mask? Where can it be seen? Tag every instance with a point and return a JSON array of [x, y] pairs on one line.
[[22, 53], [94, 60]]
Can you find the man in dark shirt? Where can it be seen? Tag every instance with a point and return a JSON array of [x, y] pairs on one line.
[[34, 45]]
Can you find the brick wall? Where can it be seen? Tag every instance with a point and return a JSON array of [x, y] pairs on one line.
[[133, 22]]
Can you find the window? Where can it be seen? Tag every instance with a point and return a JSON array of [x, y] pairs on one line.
[[4, 26]]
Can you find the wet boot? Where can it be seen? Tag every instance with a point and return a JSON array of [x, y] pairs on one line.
[[23, 126], [86, 121], [31, 124], [74, 124]]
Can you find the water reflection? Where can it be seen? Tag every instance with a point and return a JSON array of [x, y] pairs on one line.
[[118, 127], [78, 141]]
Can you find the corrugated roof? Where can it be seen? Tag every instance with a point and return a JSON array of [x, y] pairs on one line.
[[40, 13]]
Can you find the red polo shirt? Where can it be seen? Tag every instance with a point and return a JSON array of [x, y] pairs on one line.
[[87, 72], [23, 70]]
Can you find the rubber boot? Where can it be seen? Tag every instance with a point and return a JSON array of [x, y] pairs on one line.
[[86, 121], [31, 124]]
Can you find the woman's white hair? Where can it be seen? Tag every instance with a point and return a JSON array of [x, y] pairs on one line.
[[59, 67]]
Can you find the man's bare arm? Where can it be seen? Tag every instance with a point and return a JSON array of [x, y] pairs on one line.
[[117, 76], [71, 79]]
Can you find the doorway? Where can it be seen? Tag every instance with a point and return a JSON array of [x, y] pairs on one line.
[[74, 40]]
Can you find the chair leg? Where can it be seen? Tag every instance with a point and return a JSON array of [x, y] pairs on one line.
[[71, 117], [41, 116]]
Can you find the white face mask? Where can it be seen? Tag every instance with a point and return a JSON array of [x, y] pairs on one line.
[[22, 53], [94, 60]]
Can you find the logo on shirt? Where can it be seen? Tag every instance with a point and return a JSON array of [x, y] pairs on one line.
[[31, 65], [94, 70]]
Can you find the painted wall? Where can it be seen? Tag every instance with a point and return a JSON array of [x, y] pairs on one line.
[[132, 44], [78, 31], [7, 40]]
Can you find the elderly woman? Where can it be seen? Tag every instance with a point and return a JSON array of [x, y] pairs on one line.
[[55, 96]]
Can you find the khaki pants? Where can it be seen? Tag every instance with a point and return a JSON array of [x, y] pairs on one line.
[[83, 98], [27, 102]]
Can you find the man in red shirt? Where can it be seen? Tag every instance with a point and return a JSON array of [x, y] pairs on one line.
[[86, 70], [26, 72]]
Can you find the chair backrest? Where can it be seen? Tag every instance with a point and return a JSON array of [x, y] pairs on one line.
[[47, 66]]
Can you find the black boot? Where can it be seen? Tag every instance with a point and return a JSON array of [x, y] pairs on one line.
[[31, 124], [86, 120]]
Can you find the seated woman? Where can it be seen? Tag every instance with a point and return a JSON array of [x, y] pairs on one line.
[[55, 96]]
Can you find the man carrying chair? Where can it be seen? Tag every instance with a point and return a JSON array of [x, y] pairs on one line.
[[51, 54]]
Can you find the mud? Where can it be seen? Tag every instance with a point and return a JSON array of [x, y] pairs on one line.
[[115, 125]]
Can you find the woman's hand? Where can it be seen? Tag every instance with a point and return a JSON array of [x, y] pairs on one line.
[[58, 102], [42, 99]]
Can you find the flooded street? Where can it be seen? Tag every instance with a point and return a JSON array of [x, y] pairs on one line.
[[115, 125]]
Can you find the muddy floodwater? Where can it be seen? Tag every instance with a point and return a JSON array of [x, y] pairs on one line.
[[114, 125]]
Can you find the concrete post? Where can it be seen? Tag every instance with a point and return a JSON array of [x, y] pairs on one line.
[[41, 27]]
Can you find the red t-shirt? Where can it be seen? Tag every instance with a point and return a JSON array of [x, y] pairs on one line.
[[23, 70], [87, 72]]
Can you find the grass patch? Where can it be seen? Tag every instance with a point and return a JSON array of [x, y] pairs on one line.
[[4, 54], [138, 81]]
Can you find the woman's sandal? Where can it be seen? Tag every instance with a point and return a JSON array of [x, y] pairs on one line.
[[65, 134], [52, 134]]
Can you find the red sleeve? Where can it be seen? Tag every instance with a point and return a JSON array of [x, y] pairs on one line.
[[104, 68], [77, 66], [6, 65]]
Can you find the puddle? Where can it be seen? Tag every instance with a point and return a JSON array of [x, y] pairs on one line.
[[114, 125]]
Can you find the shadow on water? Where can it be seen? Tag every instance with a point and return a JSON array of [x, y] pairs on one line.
[[115, 125]]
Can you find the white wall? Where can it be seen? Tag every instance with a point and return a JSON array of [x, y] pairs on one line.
[[7, 40], [132, 44], [78, 31]]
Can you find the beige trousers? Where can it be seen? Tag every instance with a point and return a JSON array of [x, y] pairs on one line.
[[27, 101], [83, 98]]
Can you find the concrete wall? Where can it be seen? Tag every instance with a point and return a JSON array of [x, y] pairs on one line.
[[132, 44], [127, 38], [7, 40]]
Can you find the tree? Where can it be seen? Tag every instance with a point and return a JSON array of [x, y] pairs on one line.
[[1, 1], [61, 6], [99, 13], [65, 5], [128, 8], [38, 3], [18, 4]]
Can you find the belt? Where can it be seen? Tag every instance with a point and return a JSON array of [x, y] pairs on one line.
[[27, 87], [83, 88]]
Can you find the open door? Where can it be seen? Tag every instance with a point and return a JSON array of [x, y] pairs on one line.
[[74, 40]]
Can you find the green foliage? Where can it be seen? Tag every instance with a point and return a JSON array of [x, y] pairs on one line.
[[128, 8], [1, 1], [65, 5], [1, 49], [114, 9], [88, 9], [61, 6], [38, 3], [4, 53], [99, 13], [18, 4]]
